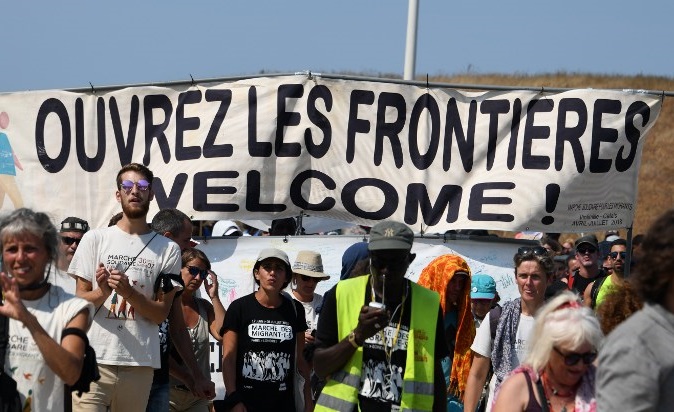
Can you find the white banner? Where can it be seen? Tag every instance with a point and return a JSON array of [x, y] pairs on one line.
[[355, 151], [233, 259]]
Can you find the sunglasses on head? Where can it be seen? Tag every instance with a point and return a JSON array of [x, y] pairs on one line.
[[614, 255], [127, 185], [310, 278], [585, 249], [195, 271], [67, 240], [536, 251], [571, 359]]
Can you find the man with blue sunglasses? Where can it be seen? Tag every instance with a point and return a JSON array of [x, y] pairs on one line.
[[600, 288], [116, 269]]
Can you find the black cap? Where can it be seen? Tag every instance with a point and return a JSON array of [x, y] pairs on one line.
[[589, 239], [74, 224]]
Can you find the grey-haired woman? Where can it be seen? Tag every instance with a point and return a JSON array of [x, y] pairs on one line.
[[40, 358]]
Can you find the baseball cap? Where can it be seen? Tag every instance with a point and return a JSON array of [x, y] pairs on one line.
[[611, 238], [482, 287], [74, 224], [589, 239], [390, 235], [273, 253]]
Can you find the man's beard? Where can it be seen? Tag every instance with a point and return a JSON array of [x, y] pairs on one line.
[[135, 212]]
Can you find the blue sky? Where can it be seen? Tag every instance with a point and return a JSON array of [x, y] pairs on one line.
[[61, 45]]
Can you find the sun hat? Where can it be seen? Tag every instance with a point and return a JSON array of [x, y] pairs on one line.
[[482, 287], [226, 228], [309, 263], [389, 234]]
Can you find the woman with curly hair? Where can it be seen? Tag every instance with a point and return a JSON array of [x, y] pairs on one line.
[[449, 275], [617, 306]]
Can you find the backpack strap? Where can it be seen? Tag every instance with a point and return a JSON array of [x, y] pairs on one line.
[[494, 316], [164, 282], [594, 292]]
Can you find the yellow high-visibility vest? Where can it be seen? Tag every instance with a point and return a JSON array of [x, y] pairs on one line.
[[341, 390]]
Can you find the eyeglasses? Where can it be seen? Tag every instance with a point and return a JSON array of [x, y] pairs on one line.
[[536, 251], [67, 240], [582, 250], [127, 185], [614, 255], [310, 278], [195, 271], [572, 358]]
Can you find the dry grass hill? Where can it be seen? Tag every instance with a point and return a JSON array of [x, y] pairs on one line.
[[656, 183]]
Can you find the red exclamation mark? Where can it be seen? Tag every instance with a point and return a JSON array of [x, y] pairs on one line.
[[551, 197]]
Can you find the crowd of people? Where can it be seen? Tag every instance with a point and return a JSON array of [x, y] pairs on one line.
[[581, 335]]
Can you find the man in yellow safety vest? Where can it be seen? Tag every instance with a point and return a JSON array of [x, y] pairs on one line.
[[380, 337]]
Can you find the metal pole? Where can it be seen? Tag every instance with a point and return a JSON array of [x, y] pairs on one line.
[[411, 44]]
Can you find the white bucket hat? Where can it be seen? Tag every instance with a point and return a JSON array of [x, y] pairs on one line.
[[309, 263]]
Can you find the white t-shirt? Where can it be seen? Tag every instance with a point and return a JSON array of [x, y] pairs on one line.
[[118, 334], [57, 277], [483, 345], [40, 388], [311, 310]]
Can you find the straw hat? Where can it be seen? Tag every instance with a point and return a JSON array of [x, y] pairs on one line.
[[309, 263]]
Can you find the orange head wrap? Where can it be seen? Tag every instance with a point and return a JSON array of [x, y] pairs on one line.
[[436, 276]]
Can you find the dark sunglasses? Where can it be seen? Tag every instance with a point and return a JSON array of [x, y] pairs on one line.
[[586, 249], [536, 251], [67, 240], [571, 359], [614, 255], [195, 271], [127, 185], [310, 278]]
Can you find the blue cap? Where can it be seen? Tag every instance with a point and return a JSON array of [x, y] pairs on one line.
[[482, 287]]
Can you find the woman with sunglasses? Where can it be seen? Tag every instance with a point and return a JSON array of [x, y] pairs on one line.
[[263, 340], [203, 318], [557, 373], [307, 272], [501, 343]]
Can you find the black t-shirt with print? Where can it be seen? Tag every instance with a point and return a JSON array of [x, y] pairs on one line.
[[265, 357], [381, 385]]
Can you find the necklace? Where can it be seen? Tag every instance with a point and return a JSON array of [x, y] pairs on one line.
[[563, 397]]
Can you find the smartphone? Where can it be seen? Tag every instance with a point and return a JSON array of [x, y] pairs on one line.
[[377, 305]]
